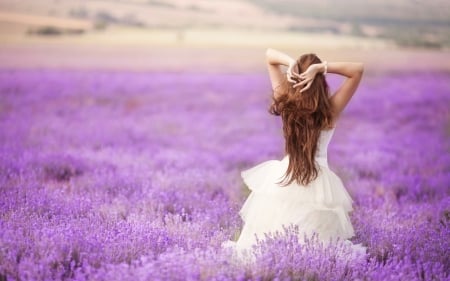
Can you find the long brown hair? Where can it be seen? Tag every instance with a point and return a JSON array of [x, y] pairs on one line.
[[304, 115]]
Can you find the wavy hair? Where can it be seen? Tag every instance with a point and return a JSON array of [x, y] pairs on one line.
[[304, 115]]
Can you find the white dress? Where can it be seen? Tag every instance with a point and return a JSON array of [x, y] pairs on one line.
[[322, 206]]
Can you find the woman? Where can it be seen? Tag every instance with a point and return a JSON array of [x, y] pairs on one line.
[[301, 189]]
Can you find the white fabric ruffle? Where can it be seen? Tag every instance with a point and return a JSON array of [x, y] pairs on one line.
[[322, 206]]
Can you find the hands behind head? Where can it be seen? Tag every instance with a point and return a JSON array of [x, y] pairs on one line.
[[304, 79]]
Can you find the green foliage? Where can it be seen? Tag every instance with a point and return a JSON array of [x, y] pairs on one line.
[[54, 31]]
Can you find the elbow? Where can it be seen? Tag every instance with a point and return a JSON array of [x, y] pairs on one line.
[[270, 52], [360, 68], [269, 55]]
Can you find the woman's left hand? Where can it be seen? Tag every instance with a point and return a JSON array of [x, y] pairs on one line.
[[290, 73], [306, 77]]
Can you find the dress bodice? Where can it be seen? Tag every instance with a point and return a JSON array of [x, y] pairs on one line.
[[322, 146], [321, 156]]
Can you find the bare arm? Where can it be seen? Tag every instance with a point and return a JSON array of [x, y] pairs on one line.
[[352, 70], [275, 59]]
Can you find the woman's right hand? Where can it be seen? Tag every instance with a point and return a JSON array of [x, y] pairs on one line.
[[307, 77]]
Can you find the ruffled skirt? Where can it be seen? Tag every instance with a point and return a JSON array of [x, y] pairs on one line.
[[322, 207]]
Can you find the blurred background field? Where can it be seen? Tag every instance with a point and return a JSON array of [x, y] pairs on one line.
[[214, 35]]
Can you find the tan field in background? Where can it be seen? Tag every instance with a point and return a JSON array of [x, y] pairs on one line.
[[204, 50], [200, 49]]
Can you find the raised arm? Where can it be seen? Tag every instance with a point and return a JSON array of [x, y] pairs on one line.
[[275, 60], [352, 70]]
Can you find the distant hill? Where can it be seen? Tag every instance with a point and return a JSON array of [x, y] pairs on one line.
[[408, 22]]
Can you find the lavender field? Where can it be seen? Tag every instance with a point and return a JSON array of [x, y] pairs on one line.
[[121, 175]]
